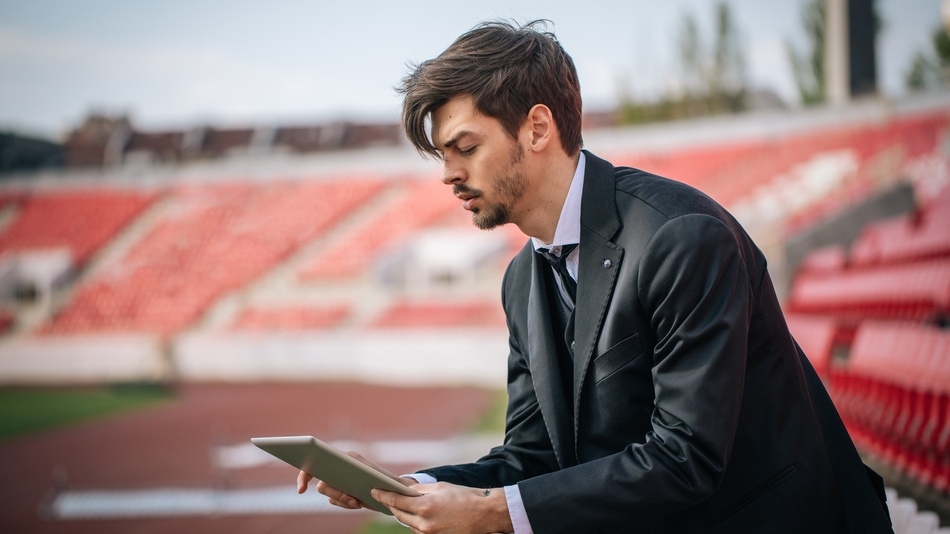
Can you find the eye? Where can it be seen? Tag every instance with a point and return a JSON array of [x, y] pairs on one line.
[[467, 151]]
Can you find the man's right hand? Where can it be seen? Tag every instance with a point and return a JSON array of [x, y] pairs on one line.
[[337, 497]]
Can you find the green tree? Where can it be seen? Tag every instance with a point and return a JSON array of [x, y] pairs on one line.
[[712, 77], [692, 63], [808, 66], [727, 80], [715, 82], [931, 69]]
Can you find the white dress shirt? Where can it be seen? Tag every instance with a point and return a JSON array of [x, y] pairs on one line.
[[568, 231]]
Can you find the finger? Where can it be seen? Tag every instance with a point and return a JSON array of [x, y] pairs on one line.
[[390, 499], [337, 497], [302, 480], [405, 518]]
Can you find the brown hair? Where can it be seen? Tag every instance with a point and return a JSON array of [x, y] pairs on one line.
[[506, 70]]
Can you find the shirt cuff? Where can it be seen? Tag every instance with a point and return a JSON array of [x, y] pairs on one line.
[[422, 478], [519, 517]]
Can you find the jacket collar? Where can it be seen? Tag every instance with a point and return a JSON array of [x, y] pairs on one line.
[[599, 264], [598, 268]]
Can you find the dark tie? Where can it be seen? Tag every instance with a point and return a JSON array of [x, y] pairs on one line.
[[560, 265]]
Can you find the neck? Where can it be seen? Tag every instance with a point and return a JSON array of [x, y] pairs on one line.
[[550, 180]]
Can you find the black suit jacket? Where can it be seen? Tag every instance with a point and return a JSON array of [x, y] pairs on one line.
[[693, 408]]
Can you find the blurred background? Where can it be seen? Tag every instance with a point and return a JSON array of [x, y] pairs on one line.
[[213, 228]]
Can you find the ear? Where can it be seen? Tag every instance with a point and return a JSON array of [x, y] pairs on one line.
[[539, 128]]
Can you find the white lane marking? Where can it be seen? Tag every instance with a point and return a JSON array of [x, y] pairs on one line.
[[176, 502]]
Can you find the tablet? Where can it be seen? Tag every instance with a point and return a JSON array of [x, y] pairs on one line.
[[334, 467]]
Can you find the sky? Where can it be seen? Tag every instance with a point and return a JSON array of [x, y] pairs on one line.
[[178, 64]]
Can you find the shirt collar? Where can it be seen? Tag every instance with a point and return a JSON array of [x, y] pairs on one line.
[[568, 229]]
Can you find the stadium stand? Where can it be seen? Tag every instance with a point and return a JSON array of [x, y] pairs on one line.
[[824, 260], [81, 221], [419, 203], [287, 318], [898, 268], [214, 239], [913, 238], [472, 314], [817, 336], [730, 171], [893, 394], [915, 291], [906, 518], [873, 318]]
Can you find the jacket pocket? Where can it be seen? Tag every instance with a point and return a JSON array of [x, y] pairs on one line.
[[760, 491], [616, 358]]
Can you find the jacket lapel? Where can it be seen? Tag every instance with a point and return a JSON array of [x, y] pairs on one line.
[[543, 363], [598, 267]]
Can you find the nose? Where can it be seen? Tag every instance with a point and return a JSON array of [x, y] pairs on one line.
[[451, 174]]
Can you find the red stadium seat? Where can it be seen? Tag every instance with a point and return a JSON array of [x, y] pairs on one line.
[[291, 318], [914, 292], [825, 260], [418, 204], [213, 239], [409, 314], [893, 395], [816, 336], [82, 221]]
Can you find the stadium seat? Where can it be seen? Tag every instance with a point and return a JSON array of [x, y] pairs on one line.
[[291, 318], [893, 395], [816, 336], [917, 292], [440, 314], [825, 260], [82, 221], [211, 240], [417, 203]]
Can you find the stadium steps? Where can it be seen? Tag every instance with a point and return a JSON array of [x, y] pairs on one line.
[[216, 238], [118, 247], [126, 236], [281, 286], [421, 203]]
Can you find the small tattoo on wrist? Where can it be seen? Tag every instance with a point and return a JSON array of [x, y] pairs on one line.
[[486, 493]]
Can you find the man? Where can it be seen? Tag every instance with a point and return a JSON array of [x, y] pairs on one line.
[[654, 385]]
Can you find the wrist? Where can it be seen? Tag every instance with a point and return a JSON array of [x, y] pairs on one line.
[[495, 509]]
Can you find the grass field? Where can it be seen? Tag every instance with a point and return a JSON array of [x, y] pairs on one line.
[[26, 410]]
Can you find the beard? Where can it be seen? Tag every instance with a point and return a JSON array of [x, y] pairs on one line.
[[508, 188]]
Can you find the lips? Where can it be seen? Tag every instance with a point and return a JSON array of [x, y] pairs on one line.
[[467, 202], [467, 198]]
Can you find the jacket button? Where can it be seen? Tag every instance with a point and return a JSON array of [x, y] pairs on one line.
[[607, 264]]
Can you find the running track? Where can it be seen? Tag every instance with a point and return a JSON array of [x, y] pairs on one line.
[[173, 445]]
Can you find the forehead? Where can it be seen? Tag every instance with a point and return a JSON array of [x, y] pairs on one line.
[[458, 118]]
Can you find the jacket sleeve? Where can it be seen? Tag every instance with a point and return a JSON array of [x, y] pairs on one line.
[[527, 450], [694, 287]]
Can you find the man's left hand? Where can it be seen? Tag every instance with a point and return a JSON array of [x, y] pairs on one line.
[[449, 509]]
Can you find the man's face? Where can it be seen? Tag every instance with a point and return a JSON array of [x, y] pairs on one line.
[[482, 163]]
